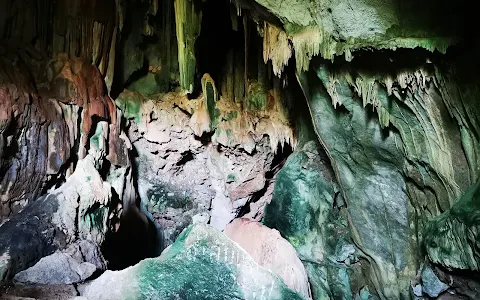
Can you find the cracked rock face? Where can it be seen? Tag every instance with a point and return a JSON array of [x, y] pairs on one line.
[[77, 263], [41, 129], [78, 209], [184, 178]]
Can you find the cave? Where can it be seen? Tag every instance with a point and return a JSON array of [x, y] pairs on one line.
[[239, 149]]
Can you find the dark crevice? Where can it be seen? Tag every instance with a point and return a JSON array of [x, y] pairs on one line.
[[205, 138], [278, 162], [136, 239], [182, 110], [279, 159], [136, 75], [186, 157]]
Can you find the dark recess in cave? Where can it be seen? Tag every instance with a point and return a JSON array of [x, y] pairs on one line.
[[278, 161], [215, 40], [225, 41], [137, 238]]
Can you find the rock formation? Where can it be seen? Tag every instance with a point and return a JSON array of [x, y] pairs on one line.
[[271, 251], [203, 264], [335, 143]]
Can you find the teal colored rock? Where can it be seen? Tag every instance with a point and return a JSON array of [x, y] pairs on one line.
[[366, 161], [400, 159], [202, 264], [452, 239], [303, 209], [431, 285]]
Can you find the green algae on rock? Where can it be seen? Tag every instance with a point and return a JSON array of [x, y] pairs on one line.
[[202, 264]]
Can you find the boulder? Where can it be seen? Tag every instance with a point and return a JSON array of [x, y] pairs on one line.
[[270, 250], [57, 268], [78, 209], [202, 264], [431, 285], [77, 263], [304, 209]]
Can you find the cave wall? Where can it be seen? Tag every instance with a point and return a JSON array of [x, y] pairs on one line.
[[401, 160], [374, 99]]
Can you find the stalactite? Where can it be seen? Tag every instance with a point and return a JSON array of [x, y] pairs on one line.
[[418, 97], [188, 21], [276, 47], [309, 43], [245, 71]]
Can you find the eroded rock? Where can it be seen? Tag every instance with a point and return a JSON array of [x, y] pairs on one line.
[[203, 263], [75, 264], [78, 209], [308, 212], [452, 239], [184, 177]]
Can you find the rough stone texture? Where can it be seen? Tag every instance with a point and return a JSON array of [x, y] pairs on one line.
[[202, 264], [431, 285], [77, 82], [310, 214], [184, 178], [36, 138], [271, 251], [452, 239], [394, 155], [39, 292], [75, 264], [46, 123], [362, 149], [78, 209], [402, 159], [329, 28], [461, 284], [57, 268]]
